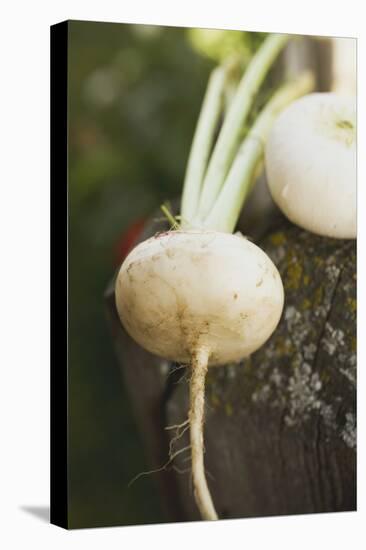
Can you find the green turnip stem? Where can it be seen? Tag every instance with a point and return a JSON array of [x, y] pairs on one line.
[[228, 140], [202, 143], [232, 82], [196, 417], [226, 210]]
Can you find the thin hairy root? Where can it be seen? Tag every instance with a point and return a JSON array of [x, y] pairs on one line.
[[177, 426], [196, 415], [177, 436], [180, 430], [195, 424], [180, 451], [174, 369], [181, 380], [148, 473], [172, 456]]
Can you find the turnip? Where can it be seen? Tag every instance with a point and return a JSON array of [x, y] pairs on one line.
[[344, 65], [199, 294], [310, 161]]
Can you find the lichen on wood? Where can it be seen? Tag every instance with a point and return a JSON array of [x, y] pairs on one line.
[[309, 364]]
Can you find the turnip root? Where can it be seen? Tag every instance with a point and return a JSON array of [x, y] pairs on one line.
[[183, 290], [199, 294], [310, 161]]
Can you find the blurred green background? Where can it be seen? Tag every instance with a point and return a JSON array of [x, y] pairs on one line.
[[134, 96]]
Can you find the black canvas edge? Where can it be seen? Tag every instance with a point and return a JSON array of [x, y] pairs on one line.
[[59, 276]]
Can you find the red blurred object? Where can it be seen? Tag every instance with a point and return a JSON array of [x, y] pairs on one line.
[[127, 240]]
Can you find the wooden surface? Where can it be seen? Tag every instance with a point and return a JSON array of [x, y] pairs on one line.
[[280, 426]]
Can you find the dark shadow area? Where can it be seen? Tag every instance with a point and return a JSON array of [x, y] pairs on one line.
[[40, 512]]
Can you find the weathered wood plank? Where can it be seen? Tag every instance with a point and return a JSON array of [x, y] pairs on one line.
[[279, 432]]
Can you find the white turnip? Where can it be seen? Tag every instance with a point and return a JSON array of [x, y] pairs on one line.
[[183, 290], [199, 294], [310, 162]]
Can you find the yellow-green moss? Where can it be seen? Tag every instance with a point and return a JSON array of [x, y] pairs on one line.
[[278, 238], [294, 273], [228, 409], [351, 302], [353, 344]]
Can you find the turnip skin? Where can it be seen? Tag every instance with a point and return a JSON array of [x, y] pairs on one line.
[[310, 161], [183, 290]]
